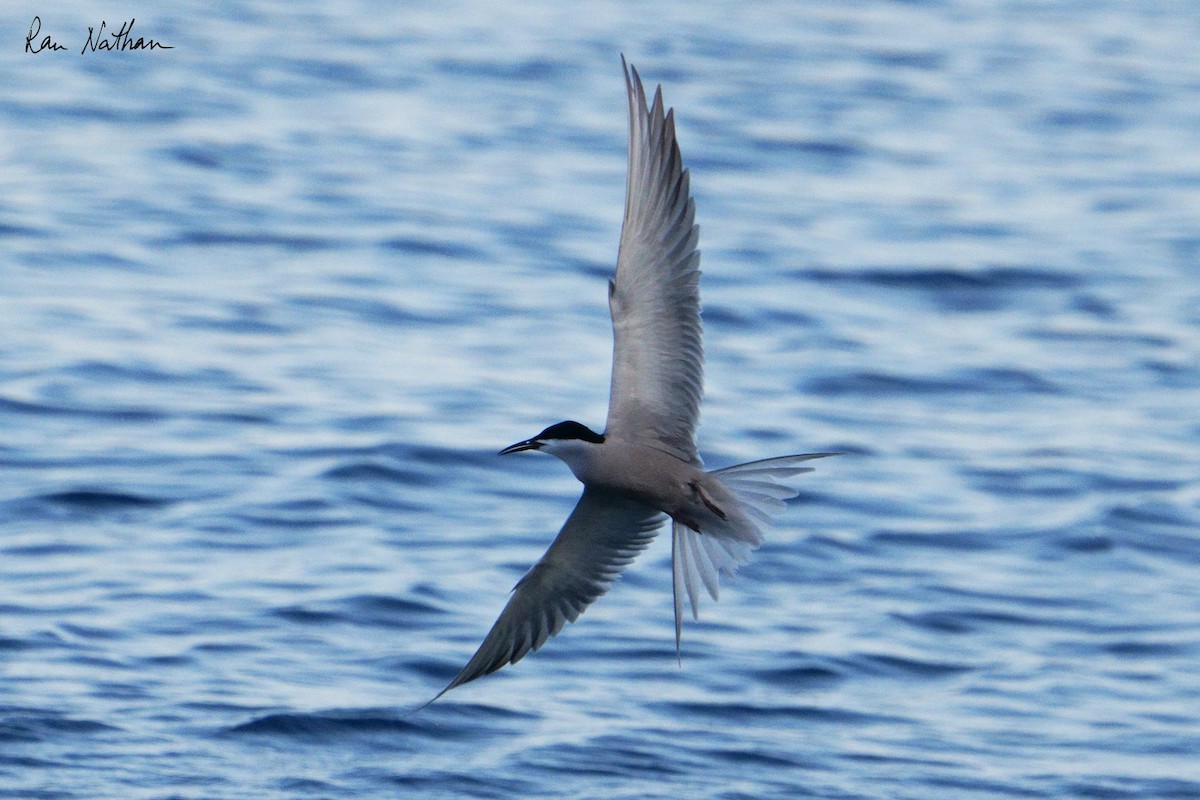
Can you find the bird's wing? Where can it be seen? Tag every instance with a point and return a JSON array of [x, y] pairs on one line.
[[603, 534], [658, 358]]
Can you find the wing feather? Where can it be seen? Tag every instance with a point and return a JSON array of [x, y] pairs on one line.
[[658, 357], [602, 536]]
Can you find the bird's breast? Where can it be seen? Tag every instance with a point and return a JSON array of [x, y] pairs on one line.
[[649, 475]]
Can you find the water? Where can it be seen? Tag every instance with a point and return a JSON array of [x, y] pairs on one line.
[[271, 300]]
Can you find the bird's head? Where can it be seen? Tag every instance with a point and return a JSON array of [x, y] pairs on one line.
[[556, 436], [569, 441]]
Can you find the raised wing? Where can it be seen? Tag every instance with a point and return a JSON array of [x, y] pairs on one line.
[[658, 358], [603, 534]]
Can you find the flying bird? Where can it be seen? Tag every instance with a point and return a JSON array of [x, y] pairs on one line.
[[644, 467]]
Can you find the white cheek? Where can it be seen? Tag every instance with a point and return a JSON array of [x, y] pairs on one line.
[[574, 454]]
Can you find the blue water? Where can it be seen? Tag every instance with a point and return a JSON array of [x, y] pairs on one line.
[[270, 301]]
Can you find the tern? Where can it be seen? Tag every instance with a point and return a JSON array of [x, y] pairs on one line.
[[645, 466]]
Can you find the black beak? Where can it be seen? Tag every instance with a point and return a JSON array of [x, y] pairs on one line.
[[528, 444]]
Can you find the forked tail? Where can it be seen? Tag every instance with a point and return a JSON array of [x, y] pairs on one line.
[[760, 488]]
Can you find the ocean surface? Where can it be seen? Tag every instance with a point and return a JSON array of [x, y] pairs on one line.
[[272, 299]]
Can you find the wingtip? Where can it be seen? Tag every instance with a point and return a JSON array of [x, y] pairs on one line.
[[631, 73], [633, 81], [423, 706]]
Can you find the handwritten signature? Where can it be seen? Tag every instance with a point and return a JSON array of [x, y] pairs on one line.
[[121, 39]]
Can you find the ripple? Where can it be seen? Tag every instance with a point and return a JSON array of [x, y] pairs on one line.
[[749, 713], [990, 279], [833, 152], [372, 471], [803, 677], [1149, 649], [26, 725], [370, 610], [947, 540], [295, 242], [1089, 119], [103, 500], [122, 414], [305, 514], [957, 290], [965, 382], [323, 726], [624, 756], [334, 725], [416, 245], [939, 621], [890, 665], [378, 312], [531, 70]]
